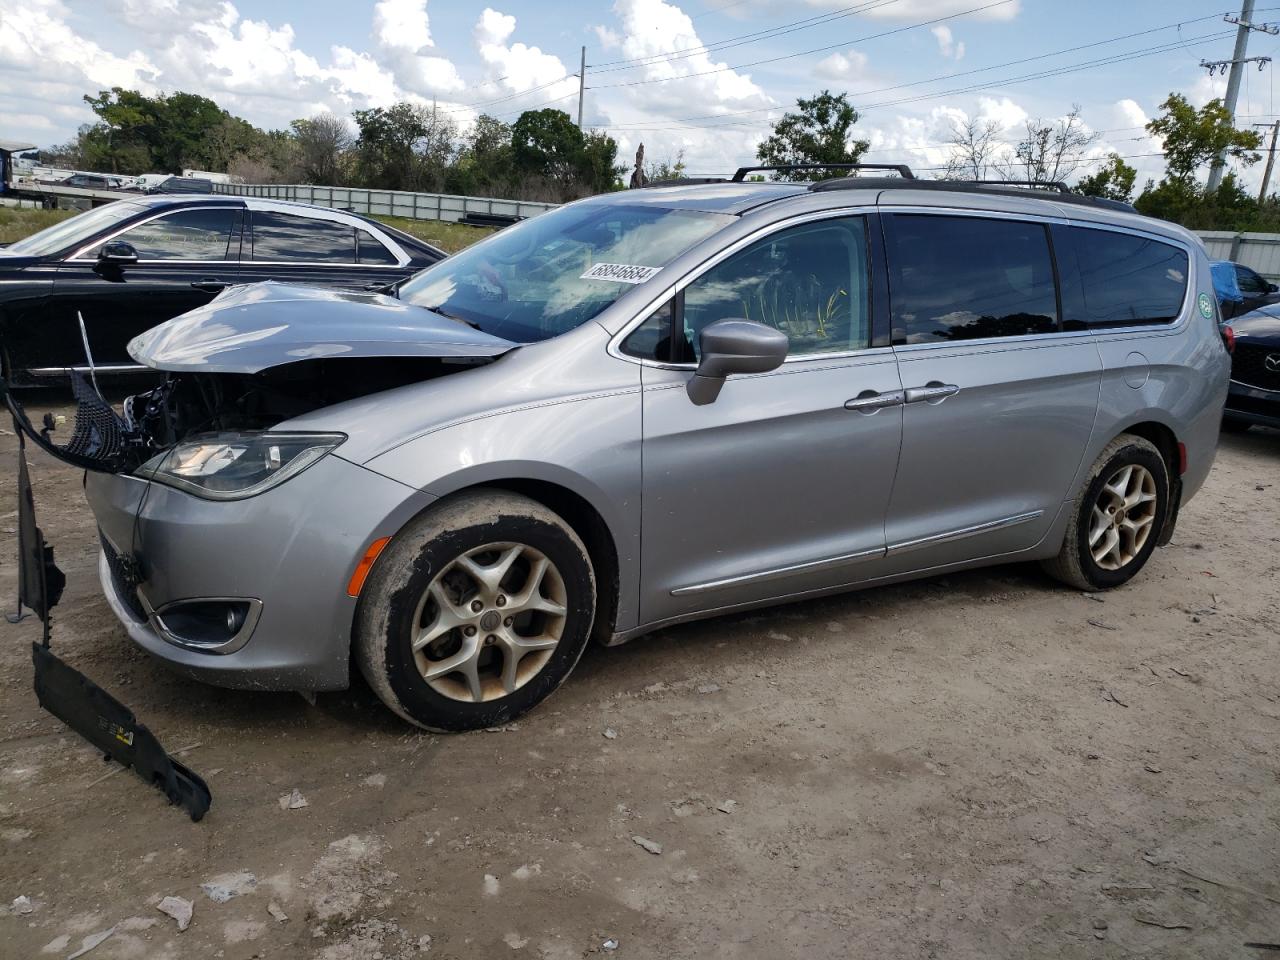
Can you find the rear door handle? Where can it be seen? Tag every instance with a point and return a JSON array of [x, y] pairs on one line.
[[211, 284], [931, 391], [869, 401]]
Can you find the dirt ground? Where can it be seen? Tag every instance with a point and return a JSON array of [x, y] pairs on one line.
[[986, 765]]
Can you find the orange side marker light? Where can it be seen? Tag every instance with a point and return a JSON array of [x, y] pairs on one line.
[[365, 565]]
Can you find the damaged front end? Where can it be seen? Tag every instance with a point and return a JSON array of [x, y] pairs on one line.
[[236, 370]]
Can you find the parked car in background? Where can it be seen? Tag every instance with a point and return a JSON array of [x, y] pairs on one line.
[[1241, 289], [131, 264], [652, 406], [182, 185], [1254, 396], [91, 181]]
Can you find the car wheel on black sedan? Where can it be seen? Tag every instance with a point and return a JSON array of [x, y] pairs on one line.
[[475, 612]]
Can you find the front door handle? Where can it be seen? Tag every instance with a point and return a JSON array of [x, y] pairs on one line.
[[869, 401], [931, 392], [210, 284]]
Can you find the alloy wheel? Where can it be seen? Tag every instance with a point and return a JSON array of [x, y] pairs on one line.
[[489, 622], [1123, 517]]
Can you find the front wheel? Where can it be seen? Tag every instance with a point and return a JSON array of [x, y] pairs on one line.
[[1117, 518], [476, 611]]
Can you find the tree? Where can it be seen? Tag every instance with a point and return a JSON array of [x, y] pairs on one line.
[[1051, 152], [483, 166], [322, 143], [974, 145], [598, 168], [545, 143], [388, 149], [1112, 181], [667, 169], [1193, 138], [818, 133]]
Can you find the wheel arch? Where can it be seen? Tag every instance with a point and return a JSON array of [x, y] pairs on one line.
[[583, 517]]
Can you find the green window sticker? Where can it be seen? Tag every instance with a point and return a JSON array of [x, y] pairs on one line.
[[1206, 306]]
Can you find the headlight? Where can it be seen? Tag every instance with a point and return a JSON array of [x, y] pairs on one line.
[[232, 466]]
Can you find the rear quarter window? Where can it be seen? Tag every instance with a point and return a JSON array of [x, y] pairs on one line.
[[1127, 279]]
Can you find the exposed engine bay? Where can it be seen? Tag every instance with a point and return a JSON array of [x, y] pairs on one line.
[[189, 403], [104, 440]]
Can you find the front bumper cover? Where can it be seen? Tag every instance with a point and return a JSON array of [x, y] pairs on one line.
[[293, 548]]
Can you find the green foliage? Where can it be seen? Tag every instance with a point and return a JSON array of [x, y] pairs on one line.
[[1192, 138], [140, 134], [818, 133], [19, 222], [403, 147], [1113, 181], [406, 146], [547, 146]]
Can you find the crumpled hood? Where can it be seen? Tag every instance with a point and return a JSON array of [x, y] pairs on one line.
[[251, 328]]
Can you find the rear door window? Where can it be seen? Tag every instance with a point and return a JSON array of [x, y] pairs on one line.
[[1128, 279], [287, 238], [968, 278], [369, 249]]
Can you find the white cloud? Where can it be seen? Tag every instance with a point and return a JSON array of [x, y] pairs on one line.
[[932, 9], [947, 44], [516, 66], [402, 25], [845, 67]]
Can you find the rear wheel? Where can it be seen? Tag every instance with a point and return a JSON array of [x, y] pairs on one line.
[[475, 612], [1117, 518]]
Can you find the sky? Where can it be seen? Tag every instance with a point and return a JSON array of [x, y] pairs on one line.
[[698, 78]]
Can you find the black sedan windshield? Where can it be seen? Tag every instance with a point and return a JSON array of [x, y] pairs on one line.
[[550, 274], [72, 231]]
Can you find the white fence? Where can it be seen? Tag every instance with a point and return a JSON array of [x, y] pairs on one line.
[[389, 203], [1261, 251]]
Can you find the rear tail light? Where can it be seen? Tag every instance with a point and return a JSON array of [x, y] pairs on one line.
[[1182, 458], [1229, 338]]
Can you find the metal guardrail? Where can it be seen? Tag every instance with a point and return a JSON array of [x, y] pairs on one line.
[[389, 203], [1260, 251]]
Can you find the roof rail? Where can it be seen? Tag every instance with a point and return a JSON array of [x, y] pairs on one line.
[[1056, 185], [684, 181], [901, 168], [1058, 192]]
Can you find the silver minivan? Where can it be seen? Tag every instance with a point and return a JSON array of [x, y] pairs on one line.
[[653, 406]]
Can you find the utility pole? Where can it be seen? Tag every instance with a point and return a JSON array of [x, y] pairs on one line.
[[1244, 24], [582, 84], [1271, 159]]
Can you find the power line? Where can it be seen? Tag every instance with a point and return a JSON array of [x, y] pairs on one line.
[[1057, 71], [608, 66], [952, 76], [805, 53]]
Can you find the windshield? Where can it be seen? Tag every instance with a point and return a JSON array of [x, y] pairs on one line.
[[548, 275], [72, 231]]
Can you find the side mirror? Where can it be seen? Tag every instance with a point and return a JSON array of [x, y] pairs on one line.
[[734, 346], [118, 252], [1272, 288]]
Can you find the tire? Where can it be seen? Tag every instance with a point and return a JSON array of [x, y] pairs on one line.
[[1076, 564], [469, 575]]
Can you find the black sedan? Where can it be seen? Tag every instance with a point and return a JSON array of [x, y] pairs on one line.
[[1254, 289], [1254, 397], [132, 264]]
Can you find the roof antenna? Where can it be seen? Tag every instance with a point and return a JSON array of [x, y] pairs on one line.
[[88, 355]]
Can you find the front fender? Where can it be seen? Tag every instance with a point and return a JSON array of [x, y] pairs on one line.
[[589, 446]]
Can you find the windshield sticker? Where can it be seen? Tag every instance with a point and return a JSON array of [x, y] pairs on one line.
[[620, 272]]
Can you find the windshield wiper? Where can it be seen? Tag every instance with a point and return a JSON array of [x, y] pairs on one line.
[[450, 316]]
